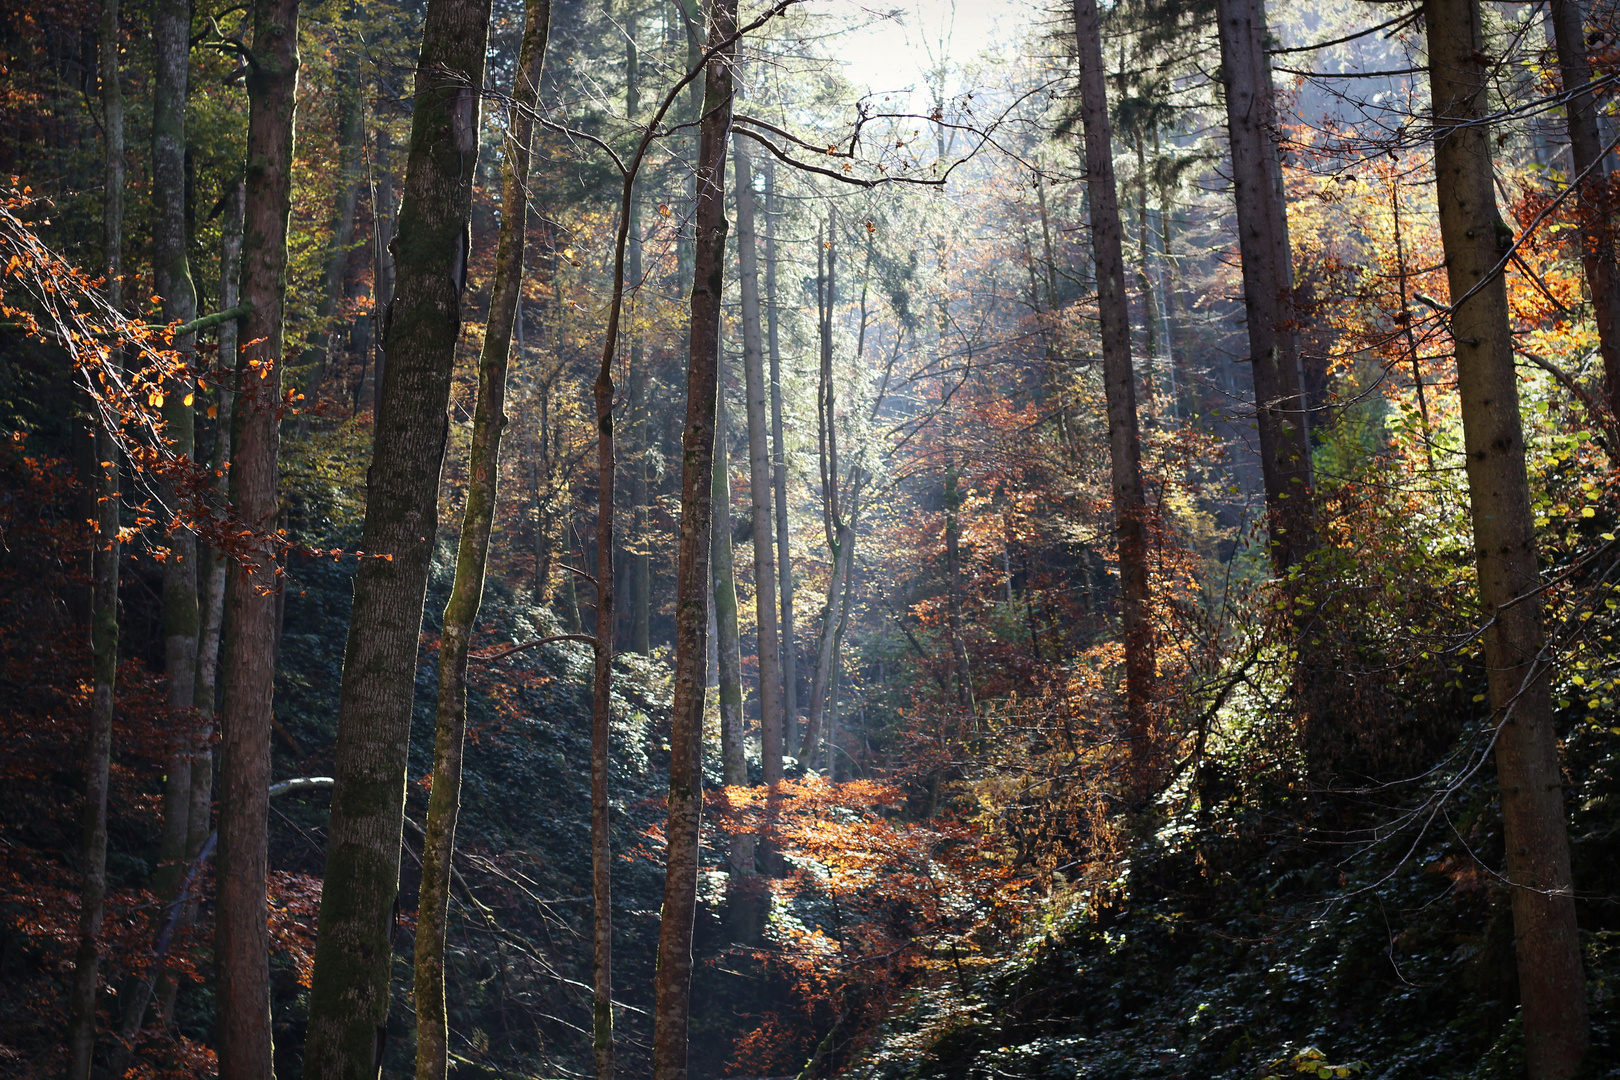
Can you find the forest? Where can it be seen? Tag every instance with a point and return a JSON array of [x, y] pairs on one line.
[[809, 538]]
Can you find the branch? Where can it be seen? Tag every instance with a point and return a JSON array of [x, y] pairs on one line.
[[490, 658]]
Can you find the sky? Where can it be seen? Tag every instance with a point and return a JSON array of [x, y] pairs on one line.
[[893, 46]]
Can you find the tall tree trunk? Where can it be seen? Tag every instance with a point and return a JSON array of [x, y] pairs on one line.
[[953, 583], [759, 468], [472, 554], [171, 272], [672, 986], [641, 558], [784, 554], [839, 531], [81, 1036], [351, 137], [1119, 384], [724, 573], [242, 942], [1552, 987], [384, 223], [349, 998], [1586, 155], [1268, 279]]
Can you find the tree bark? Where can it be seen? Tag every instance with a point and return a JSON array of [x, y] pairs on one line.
[[772, 727], [171, 272], [104, 556], [784, 553], [349, 997], [1552, 986], [1586, 155], [641, 558], [242, 944], [724, 575], [472, 554], [672, 986], [351, 136], [1119, 384], [1268, 279]]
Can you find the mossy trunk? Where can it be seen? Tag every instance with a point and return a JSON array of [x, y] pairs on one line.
[[349, 996], [1552, 985], [1119, 384], [472, 554], [247, 677], [672, 985]]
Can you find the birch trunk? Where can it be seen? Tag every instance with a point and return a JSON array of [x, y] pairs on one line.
[[1119, 384], [1552, 986], [672, 985], [1268, 279], [241, 942], [349, 997], [472, 553]]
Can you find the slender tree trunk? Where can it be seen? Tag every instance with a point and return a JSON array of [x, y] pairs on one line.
[[672, 986], [1586, 155], [759, 469], [104, 556], [171, 47], [1119, 384], [1268, 279], [641, 558], [839, 532], [1552, 986], [784, 553], [351, 137], [242, 943], [349, 996], [385, 220], [953, 582], [724, 574], [472, 554]]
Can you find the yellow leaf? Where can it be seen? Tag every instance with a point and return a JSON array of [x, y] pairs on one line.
[[189, 399]]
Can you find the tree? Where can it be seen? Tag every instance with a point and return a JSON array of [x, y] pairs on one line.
[[784, 551], [349, 996], [1586, 156], [248, 678], [1119, 384], [672, 987], [1552, 986], [81, 1036], [1268, 279], [759, 469], [472, 554]]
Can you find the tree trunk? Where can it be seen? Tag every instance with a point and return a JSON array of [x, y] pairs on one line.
[[384, 221], [839, 532], [1586, 155], [784, 553], [1552, 987], [672, 986], [759, 470], [472, 554], [104, 556], [641, 558], [171, 48], [724, 575], [1119, 385], [1268, 279], [953, 583], [242, 943], [351, 135], [349, 997]]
